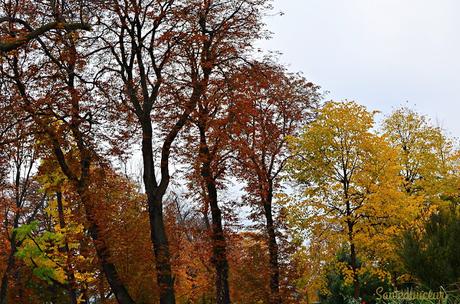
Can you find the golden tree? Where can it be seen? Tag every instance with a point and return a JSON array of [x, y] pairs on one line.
[[426, 155], [352, 194]]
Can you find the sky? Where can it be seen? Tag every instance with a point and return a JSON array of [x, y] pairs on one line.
[[380, 53]]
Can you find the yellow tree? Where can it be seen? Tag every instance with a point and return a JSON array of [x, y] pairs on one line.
[[58, 251], [426, 155], [351, 182], [428, 163], [52, 247]]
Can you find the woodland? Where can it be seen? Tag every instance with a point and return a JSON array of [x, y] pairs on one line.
[[151, 153]]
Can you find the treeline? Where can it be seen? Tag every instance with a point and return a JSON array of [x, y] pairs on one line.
[[82, 82], [377, 205]]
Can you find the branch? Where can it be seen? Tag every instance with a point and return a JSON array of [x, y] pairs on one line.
[[15, 43]]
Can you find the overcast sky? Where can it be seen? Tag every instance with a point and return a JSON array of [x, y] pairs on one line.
[[380, 53]]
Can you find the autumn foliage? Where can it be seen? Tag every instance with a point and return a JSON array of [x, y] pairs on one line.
[[149, 154]]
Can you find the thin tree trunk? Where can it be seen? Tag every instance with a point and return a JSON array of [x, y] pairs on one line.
[[10, 263], [354, 264], [353, 257], [103, 252], [350, 226], [5, 277], [219, 256], [157, 228], [219, 246], [275, 297], [69, 269], [12, 239]]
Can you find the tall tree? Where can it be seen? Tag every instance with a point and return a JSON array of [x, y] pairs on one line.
[[164, 54], [48, 82], [211, 157], [272, 105], [428, 161], [352, 184]]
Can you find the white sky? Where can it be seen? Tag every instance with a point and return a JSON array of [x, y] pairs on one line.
[[380, 53]]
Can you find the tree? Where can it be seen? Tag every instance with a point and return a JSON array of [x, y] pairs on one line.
[[428, 161], [164, 66], [271, 105], [431, 254], [210, 158], [352, 185], [50, 84], [19, 198], [426, 155]]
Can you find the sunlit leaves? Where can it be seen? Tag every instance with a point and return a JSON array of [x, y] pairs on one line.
[[353, 192], [426, 155], [41, 252]]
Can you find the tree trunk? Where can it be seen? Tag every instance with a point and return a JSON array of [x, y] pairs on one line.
[[161, 250], [219, 246], [5, 278], [10, 263], [350, 226], [157, 228], [275, 297], [69, 269], [356, 287], [219, 252], [103, 252], [354, 267], [353, 261]]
